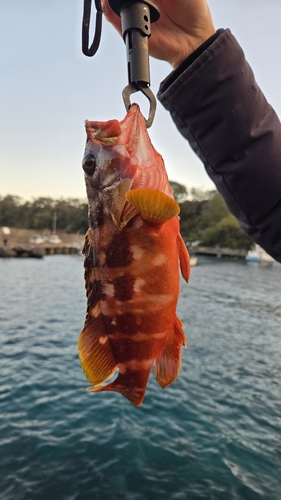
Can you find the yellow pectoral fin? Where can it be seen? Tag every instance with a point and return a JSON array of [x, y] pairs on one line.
[[153, 205]]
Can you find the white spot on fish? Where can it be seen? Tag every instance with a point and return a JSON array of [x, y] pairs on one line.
[[103, 340], [138, 284], [108, 289], [165, 299], [136, 252], [138, 223], [92, 277], [141, 336], [159, 259], [136, 365], [95, 311], [102, 257]]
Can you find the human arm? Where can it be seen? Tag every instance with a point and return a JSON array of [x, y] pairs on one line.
[[218, 107]]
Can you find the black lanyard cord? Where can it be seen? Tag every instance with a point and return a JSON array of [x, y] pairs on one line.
[[90, 51]]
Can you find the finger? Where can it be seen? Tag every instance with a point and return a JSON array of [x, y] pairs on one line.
[[111, 16]]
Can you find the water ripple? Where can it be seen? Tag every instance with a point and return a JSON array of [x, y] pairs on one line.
[[215, 434]]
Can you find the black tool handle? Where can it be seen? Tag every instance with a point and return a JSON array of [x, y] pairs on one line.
[[136, 17]]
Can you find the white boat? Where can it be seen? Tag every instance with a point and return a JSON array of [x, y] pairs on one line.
[[258, 254], [193, 261]]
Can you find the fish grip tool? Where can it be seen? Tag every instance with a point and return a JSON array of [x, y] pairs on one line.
[[136, 18]]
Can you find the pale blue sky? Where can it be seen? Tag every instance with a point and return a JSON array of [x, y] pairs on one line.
[[48, 88]]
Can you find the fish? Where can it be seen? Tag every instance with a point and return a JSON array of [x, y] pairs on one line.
[[133, 254]]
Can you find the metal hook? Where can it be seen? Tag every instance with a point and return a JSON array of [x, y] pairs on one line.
[[135, 87], [90, 51], [136, 16]]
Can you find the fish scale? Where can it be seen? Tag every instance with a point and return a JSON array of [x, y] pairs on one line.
[[133, 255]]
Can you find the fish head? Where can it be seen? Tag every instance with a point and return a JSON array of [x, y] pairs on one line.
[[119, 157], [109, 172]]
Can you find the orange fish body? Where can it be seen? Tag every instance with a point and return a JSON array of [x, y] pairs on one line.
[[132, 249]]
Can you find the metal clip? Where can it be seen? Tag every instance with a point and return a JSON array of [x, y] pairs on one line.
[[135, 87], [136, 17]]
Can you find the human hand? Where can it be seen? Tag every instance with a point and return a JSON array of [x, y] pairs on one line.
[[182, 27]]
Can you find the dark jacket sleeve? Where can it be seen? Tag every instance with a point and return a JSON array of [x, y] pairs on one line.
[[218, 107]]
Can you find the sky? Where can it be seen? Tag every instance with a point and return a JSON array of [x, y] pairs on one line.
[[48, 88]]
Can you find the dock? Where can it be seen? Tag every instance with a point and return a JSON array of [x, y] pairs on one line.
[[219, 252], [19, 244], [39, 252]]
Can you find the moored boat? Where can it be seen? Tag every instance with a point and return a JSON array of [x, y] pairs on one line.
[[193, 261], [259, 255]]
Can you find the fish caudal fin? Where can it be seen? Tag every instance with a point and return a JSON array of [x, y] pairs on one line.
[[168, 363], [131, 384], [184, 258], [95, 352], [153, 205]]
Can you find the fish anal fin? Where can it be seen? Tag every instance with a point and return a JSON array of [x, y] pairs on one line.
[[154, 205], [168, 363], [95, 351], [184, 258]]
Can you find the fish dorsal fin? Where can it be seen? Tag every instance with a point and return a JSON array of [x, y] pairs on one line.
[[153, 205]]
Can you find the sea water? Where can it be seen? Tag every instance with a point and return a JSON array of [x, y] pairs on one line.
[[215, 434]]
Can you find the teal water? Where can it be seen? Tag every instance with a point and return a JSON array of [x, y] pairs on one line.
[[214, 435]]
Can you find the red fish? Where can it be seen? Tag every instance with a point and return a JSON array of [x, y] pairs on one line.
[[133, 250]]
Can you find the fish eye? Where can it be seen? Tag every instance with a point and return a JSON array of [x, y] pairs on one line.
[[89, 164]]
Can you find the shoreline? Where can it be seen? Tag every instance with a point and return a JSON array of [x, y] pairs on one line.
[[17, 244]]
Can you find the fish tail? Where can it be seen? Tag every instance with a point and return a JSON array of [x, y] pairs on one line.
[[131, 384], [168, 363]]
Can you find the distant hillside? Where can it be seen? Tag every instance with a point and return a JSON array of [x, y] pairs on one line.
[[204, 217]]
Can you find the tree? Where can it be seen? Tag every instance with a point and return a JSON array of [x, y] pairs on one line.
[[179, 191], [9, 210], [227, 233], [198, 194]]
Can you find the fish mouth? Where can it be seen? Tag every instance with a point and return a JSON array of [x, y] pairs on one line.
[[106, 133]]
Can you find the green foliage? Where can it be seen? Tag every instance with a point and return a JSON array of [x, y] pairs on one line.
[[226, 233], [71, 215], [179, 191], [207, 219], [204, 217], [9, 210]]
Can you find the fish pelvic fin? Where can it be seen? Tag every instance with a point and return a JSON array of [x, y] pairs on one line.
[[184, 258], [168, 363], [154, 205], [95, 350], [131, 384]]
